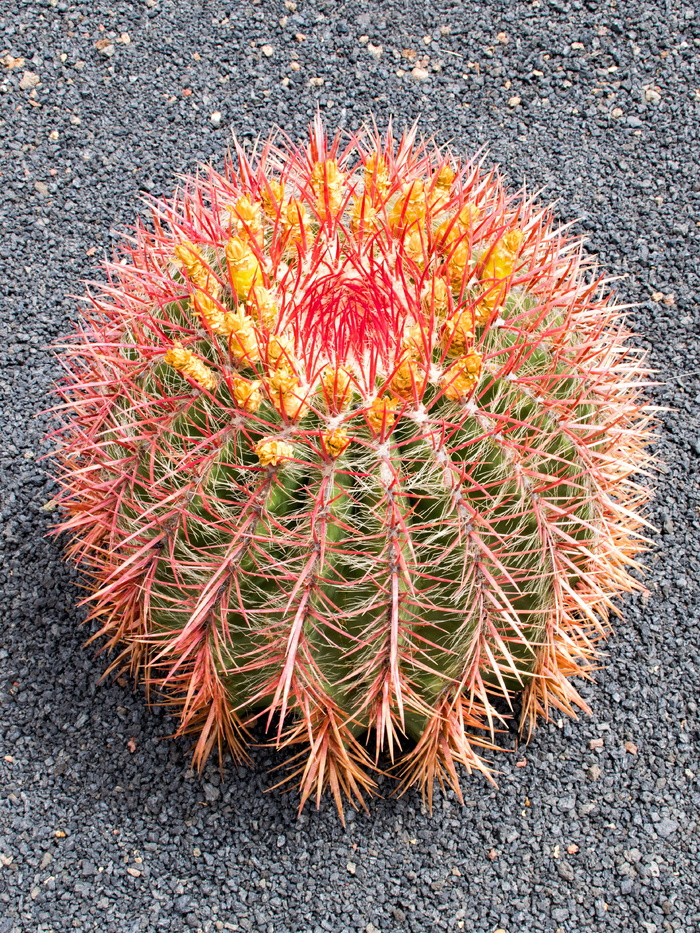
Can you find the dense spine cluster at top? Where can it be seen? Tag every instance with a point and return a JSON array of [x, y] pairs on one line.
[[348, 447]]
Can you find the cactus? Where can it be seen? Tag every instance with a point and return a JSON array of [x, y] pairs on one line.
[[348, 448]]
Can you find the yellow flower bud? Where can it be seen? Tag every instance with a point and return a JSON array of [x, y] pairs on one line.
[[335, 442], [440, 194], [457, 265], [282, 382], [242, 339], [188, 255], [499, 264], [376, 176], [264, 306], [243, 265], [206, 308], [407, 379], [457, 335], [280, 352], [282, 386], [414, 248], [445, 177], [272, 196], [410, 207], [364, 215], [435, 296], [452, 229], [327, 182], [197, 270], [272, 452], [380, 414], [416, 344], [462, 376], [247, 394], [248, 216], [294, 220], [185, 362], [337, 387]]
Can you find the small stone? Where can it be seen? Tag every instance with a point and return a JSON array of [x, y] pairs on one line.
[[631, 748], [652, 94], [46, 860], [42, 188], [616, 112], [666, 827], [267, 51], [375, 50], [513, 101], [53, 134], [315, 82], [215, 118], [211, 793], [420, 74], [565, 870], [196, 852], [351, 867], [29, 80], [594, 772], [596, 743], [281, 841], [634, 121], [105, 47], [134, 872], [124, 38]]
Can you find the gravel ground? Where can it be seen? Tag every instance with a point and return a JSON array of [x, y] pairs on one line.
[[102, 825]]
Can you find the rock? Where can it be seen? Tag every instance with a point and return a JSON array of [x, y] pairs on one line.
[[215, 118], [29, 80], [565, 870], [267, 51], [105, 47], [513, 101], [666, 827], [420, 74]]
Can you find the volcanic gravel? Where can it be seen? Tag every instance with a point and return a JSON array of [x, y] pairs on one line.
[[103, 826]]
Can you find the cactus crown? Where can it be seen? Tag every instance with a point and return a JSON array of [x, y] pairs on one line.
[[349, 444]]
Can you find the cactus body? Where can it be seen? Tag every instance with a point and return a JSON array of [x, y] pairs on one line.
[[349, 444]]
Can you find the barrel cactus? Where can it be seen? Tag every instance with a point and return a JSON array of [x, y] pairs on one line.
[[348, 449]]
